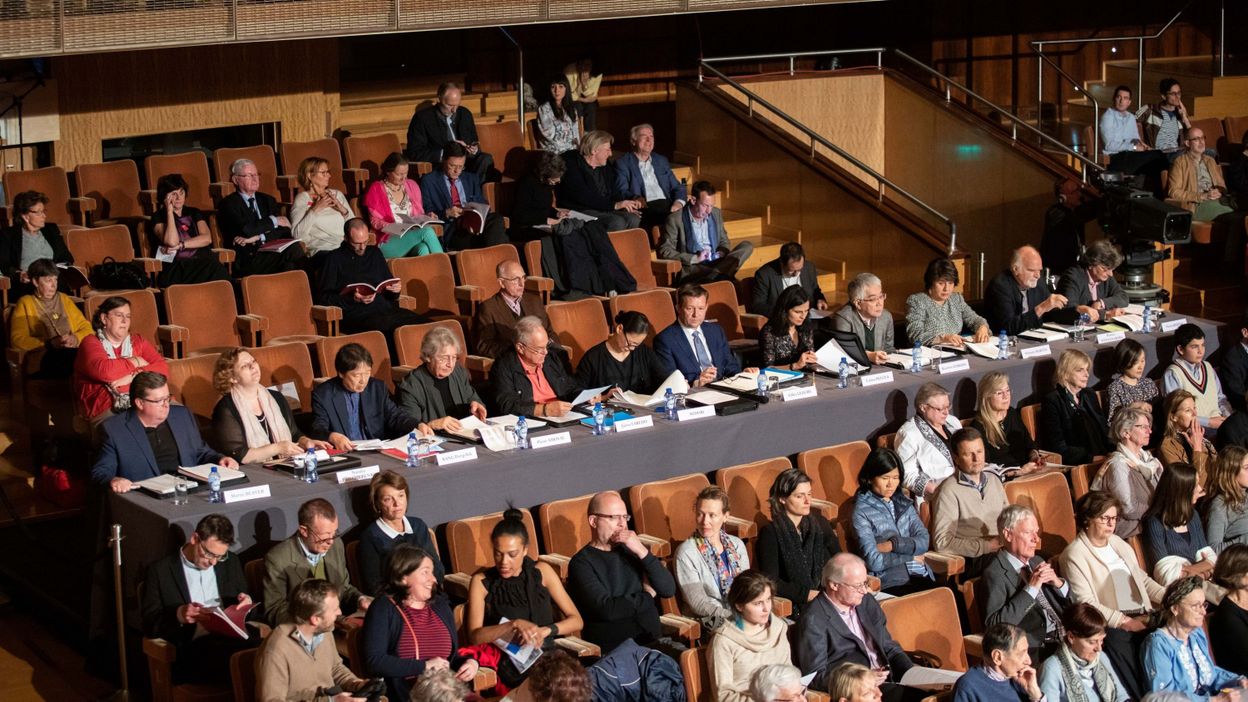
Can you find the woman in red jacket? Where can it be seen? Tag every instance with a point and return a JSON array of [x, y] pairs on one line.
[[108, 360]]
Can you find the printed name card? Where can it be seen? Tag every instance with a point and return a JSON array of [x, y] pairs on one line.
[[1110, 337], [1036, 351], [251, 492], [448, 458], [1172, 324], [346, 476], [877, 379], [798, 393], [695, 413], [642, 422], [954, 366], [544, 440]]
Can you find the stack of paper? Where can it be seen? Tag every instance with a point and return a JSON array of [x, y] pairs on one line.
[[710, 397], [1134, 322], [162, 484], [901, 359], [676, 381], [987, 349], [201, 473], [830, 355], [1044, 335]]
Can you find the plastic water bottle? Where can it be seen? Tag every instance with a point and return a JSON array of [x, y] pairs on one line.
[[842, 371], [1084, 321], [522, 433], [762, 383], [669, 404], [1148, 319], [214, 486], [413, 450], [600, 419], [916, 359], [309, 460], [1003, 346]]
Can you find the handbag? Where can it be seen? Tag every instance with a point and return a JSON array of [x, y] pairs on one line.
[[111, 274]]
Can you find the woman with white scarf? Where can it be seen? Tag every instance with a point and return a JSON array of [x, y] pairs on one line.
[[253, 423], [923, 441], [1131, 472], [1078, 671]]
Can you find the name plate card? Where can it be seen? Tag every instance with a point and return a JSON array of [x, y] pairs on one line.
[[1110, 337], [643, 422], [1036, 351], [688, 413], [877, 379], [798, 393], [251, 492], [955, 366], [1172, 324], [563, 437], [449, 458], [346, 476]]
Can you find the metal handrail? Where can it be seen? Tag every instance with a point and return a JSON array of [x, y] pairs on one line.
[[519, 80], [1096, 106], [881, 181]]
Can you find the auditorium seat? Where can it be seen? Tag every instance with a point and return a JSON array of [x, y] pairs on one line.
[[367, 153], [565, 530], [749, 484], [243, 674], [478, 276], [1030, 414], [833, 470], [144, 319], [327, 348], [581, 325], [281, 364], [1235, 128], [972, 597], [722, 307], [90, 247], [927, 623], [633, 248], [220, 330], [283, 301], [1081, 479], [191, 384], [62, 209], [115, 188], [407, 341], [468, 541], [161, 655], [349, 181], [430, 281], [655, 304], [663, 510], [266, 165], [1049, 497]]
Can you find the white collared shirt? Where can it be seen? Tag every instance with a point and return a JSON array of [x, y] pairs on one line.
[[200, 584], [313, 558], [390, 532], [654, 191]]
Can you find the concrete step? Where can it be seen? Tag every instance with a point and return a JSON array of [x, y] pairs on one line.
[[742, 226]]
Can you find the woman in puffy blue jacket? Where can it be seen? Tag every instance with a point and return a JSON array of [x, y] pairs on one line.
[[890, 536]]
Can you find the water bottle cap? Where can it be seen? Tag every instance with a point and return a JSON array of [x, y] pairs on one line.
[[843, 360]]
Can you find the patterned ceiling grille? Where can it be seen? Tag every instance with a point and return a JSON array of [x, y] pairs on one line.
[[582, 9]]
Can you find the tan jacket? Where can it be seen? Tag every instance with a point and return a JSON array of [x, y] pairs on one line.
[[1172, 451], [735, 656], [1089, 579], [962, 519], [285, 672], [494, 326], [1182, 186]]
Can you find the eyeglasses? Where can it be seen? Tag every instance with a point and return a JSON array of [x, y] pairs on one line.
[[934, 408], [1196, 138], [1141, 426], [542, 350], [1003, 392], [623, 518], [209, 555], [514, 279], [249, 176], [322, 540], [323, 171], [38, 213], [1106, 518], [162, 401], [1175, 93], [800, 696], [860, 587], [874, 298], [1201, 606], [448, 358]]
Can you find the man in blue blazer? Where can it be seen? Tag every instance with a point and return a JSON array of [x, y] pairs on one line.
[[641, 173], [355, 405], [1233, 370], [697, 348], [439, 199], [150, 439]]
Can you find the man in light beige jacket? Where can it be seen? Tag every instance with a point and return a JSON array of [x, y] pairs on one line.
[[299, 661]]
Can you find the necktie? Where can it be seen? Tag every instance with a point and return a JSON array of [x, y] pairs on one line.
[[1050, 614], [454, 193], [699, 350], [251, 203]]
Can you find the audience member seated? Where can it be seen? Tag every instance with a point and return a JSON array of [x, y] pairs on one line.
[[865, 316], [1191, 372], [177, 590], [624, 360], [447, 192], [1021, 586], [778, 681], [441, 685], [313, 552], [1071, 421], [1164, 122], [151, 438], [410, 627], [555, 677], [1120, 134], [180, 237], [788, 339], [438, 392], [391, 198], [890, 535], [695, 235], [1006, 672], [1233, 366], [1091, 288], [446, 121], [108, 360], [1184, 440], [32, 237], [645, 175], [1079, 670], [527, 380], [1228, 627], [49, 320], [300, 659], [749, 638], [789, 268], [709, 560], [355, 262], [319, 213], [966, 505], [588, 185], [923, 441], [939, 316], [1007, 443], [249, 219], [388, 495], [1233, 432], [584, 86], [557, 118], [494, 325], [1064, 222], [250, 422], [695, 347], [1197, 185], [518, 600], [1226, 510], [1131, 472], [1018, 298], [1174, 535], [852, 682], [1176, 655], [793, 547], [605, 579], [355, 406], [1129, 385]]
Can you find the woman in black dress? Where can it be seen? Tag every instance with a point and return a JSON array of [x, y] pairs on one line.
[[1007, 443], [787, 340], [623, 360], [799, 540], [181, 237]]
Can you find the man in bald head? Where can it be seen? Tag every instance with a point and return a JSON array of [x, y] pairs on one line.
[[1019, 298], [614, 580]]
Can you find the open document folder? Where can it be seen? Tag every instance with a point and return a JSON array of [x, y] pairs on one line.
[[676, 381]]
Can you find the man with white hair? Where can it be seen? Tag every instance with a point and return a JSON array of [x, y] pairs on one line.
[[447, 122], [528, 379], [865, 316], [249, 220], [1021, 588], [643, 174], [1018, 299], [778, 681]]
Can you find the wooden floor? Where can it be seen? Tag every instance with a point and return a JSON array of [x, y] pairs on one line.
[[36, 663]]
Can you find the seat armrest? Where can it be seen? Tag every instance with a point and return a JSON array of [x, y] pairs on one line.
[[752, 324], [743, 529], [665, 270], [249, 327], [816, 696], [478, 363], [327, 318], [173, 337], [946, 564], [356, 180], [160, 650], [558, 561], [82, 206], [578, 647], [873, 583], [408, 302], [783, 607], [147, 200], [318, 382], [225, 256], [661, 548], [828, 509], [151, 266], [540, 285], [399, 373], [468, 297], [220, 191], [485, 679], [457, 584], [681, 627], [288, 187], [974, 645], [422, 167]]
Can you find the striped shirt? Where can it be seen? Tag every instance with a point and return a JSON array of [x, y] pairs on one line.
[[431, 632]]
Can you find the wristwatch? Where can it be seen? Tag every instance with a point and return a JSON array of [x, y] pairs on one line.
[[554, 630]]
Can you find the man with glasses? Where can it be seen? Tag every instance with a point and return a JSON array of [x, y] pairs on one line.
[[1091, 288], [178, 588], [865, 316], [1198, 186], [448, 191], [494, 324], [614, 580], [1018, 298], [1165, 121], [695, 236], [528, 379], [250, 219], [152, 438], [314, 551], [789, 268], [447, 121]]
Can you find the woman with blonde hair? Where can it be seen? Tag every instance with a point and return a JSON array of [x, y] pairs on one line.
[[1007, 443], [709, 560], [252, 423], [1184, 440], [1071, 421], [1226, 519], [319, 215], [854, 682]]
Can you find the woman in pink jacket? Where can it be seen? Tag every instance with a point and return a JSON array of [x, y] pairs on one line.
[[392, 203]]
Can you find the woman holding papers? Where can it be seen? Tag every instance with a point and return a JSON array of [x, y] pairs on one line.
[[624, 360], [1129, 385], [787, 340], [923, 441], [252, 423], [391, 202], [1071, 420], [438, 392], [939, 315], [1184, 440], [1007, 443]]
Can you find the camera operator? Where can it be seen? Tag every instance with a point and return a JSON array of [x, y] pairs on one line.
[[1064, 224]]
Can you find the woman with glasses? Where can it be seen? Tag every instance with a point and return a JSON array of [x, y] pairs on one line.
[[388, 495], [923, 441], [47, 325], [1007, 442], [1131, 473], [438, 392], [1079, 670], [798, 541], [319, 213], [1071, 421], [709, 561], [1174, 536], [788, 341], [1226, 514], [252, 423], [109, 359], [1184, 440], [1176, 654], [752, 637], [32, 237], [938, 315], [181, 237], [1129, 385], [624, 360], [890, 535], [1228, 628]]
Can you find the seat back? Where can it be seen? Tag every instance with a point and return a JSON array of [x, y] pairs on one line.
[[469, 541], [1081, 479], [143, 315], [50, 181], [190, 382], [696, 673], [1235, 129], [287, 363], [327, 348], [971, 591], [928, 621], [748, 486], [408, 338], [1212, 127], [285, 299], [499, 138], [429, 279], [114, 186], [633, 248], [655, 304], [1030, 414], [721, 307], [581, 325], [1049, 497], [193, 166], [253, 573], [261, 154], [91, 246], [185, 306], [479, 266], [243, 674], [368, 152], [565, 524], [834, 469], [664, 508], [294, 152]]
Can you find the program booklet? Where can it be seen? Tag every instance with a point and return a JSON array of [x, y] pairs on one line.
[[365, 289], [473, 216], [230, 621], [404, 223]]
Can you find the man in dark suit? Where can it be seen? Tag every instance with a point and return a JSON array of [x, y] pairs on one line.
[[589, 185], [1233, 370], [696, 237], [447, 191], [177, 588], [494, 325], [355, 406], [1107, 298], [432, 128], [790, 268], [150, 439], [697, 348], [643, 174], [250, 219], [357, 261], [1017, 298], [528, 379], [313, 551], [1021, 588]]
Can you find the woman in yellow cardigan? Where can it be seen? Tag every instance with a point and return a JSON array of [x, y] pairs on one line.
[[47, 320]]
